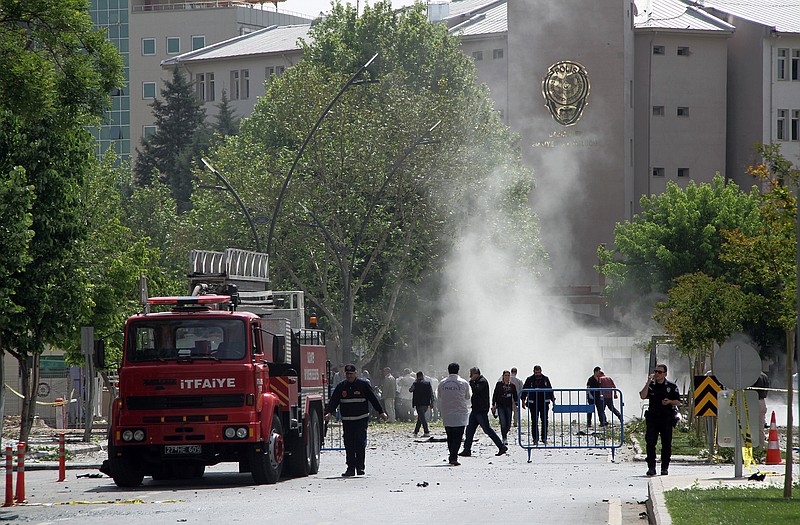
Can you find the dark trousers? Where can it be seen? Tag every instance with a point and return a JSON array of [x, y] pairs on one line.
[[597, 401], [608, 402], [355, 442], [421, 421], [480, 419], [454, 435], [504, 413], [658, 427], [539, 412]]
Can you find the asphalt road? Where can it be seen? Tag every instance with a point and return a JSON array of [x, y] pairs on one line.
[[406, 482]]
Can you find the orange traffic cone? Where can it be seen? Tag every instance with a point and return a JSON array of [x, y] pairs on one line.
[[773, 451]]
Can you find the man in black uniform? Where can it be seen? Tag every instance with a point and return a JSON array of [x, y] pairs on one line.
[[353, 397], [480, 414], [660, 416], [538, 402]]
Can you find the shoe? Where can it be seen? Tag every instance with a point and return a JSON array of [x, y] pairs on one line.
[[502, 451], [465, 453], [664, 472], [416, 434], [651, 472], [349, 473], [426, 435], [360, 471], [454, 463]]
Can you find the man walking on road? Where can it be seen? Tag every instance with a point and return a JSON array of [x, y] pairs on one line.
[[538, 402], [660, 416], [422, 400], [353, 397], [480, 413], [609, 394], [517, 383], [453, 394], [388, 391]]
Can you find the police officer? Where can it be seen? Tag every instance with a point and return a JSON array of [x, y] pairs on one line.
[[660, 416], [353, 397]]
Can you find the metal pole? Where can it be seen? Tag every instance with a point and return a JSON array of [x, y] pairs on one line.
[[303, 148], [229, 188]]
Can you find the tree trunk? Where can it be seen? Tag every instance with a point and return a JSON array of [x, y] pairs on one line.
[[29, 377]]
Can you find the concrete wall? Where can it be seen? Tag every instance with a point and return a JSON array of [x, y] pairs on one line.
[[492, 69]]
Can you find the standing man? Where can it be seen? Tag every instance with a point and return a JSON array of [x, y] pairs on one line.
[[422, 399], [538, 402], [517, 383], [609, 394], [593, 397], [660, 416], [480, 413], [761, 385], [353, 397], [453, 394], [405, 404], [388, 391]]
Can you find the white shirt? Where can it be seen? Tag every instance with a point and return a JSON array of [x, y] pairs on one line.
[[454, 393]]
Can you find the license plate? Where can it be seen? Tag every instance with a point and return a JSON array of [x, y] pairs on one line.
[[174, 450]]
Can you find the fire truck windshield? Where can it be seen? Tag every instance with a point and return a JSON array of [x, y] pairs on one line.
[[186, 339]]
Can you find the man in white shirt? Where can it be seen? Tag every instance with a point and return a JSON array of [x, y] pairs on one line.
[[517, 383], [454, 395]]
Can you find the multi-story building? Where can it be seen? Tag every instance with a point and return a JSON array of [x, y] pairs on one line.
[[149, 31]]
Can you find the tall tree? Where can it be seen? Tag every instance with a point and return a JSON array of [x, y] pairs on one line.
[[380, 192], [57, 73], [179, 141], [226, 122]]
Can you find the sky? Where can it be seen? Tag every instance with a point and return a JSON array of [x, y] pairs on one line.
[[313, 7]]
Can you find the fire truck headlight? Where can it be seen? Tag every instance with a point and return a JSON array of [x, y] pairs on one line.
[[230, 432], [127, 435], [241, 432], [138, 435]]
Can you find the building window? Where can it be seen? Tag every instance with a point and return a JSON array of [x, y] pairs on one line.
[[235, 85], [148, 131], [780, 126], [684, 51], [148, 46], [658, 111], [497, 53], [659, 50], [477, 55], [683, 172], [795, 64], [210, 90], [200, 86], [658, 172], [173, 45], [273, 71], [683, 111], [783, 57], [245, 84], [795, 124], [148, 90], [198, 41]]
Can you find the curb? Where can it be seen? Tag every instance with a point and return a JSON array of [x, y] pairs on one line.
[[656, 504]]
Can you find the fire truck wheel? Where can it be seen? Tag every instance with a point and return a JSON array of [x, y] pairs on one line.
[[266, 459], [126, 473], [305, 454]]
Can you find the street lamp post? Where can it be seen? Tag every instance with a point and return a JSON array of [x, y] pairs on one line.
[[297, 157], [229, 188]]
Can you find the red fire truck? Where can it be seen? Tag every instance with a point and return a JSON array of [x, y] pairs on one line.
[[219, 378]]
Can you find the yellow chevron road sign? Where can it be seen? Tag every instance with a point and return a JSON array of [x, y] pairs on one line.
[[705, 395]]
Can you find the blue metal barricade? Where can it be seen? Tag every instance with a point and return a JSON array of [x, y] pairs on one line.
[[567, 422]]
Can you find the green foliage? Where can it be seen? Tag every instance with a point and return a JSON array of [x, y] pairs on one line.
[[16, 202], [179, 140], [677, 232], [226, 121], [376, 198]]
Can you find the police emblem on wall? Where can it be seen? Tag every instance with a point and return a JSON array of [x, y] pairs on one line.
[[565, 89]]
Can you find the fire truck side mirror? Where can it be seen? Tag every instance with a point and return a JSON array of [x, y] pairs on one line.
[[279, 349], [99, 354]]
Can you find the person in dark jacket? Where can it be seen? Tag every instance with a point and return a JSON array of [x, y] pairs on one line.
[[353, 397], [422, 399], [538, 402], [479, 415], [504, 399], [664, 399], [593, 397]]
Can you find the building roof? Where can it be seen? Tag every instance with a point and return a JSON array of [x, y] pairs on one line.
[[477, 17], [782, 15], [676, 15], [273, 39]]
